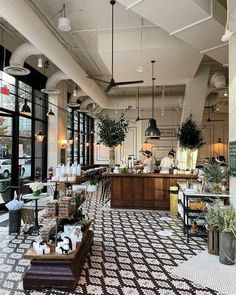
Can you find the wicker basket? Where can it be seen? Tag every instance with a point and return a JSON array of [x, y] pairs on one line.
[[197, 205]]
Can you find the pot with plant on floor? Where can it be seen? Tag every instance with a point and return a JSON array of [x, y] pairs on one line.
[[93, 186], [227, 229], [111, 133], [213, 218]]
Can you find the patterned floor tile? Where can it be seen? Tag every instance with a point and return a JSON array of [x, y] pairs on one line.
[[128, 257]]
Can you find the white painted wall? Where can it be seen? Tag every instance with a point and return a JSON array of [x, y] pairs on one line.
[[232, 106]]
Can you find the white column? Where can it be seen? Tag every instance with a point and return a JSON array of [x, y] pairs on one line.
[[57, 126], [194, 102], [232, 107]]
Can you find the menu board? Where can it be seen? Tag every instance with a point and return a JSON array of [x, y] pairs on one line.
[[232, 158]]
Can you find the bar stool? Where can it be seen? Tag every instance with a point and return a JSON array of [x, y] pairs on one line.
[[106, 189]]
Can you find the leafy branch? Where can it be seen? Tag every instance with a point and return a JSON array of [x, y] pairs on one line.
[[112, 132]]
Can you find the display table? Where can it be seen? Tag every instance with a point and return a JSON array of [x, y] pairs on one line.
[[143, 191], [57, 271], [188, 214]]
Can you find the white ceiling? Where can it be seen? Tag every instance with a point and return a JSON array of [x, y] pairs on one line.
[[178, 56]]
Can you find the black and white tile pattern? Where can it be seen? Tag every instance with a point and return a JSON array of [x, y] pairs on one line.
[[129, 256]]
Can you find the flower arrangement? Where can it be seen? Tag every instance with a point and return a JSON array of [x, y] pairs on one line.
[[36, 187]]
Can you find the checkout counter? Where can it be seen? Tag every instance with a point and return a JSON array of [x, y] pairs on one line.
[[144, 190]]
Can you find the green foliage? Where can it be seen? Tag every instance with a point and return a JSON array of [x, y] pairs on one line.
[[221, 217], [189, 135], [215, 173], [93, 181], [112, 132], [214, 214]]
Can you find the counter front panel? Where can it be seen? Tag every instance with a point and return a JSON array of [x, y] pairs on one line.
[[143, 191]]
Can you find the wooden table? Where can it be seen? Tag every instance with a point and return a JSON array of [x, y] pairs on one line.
[[143, 190], [57, 271]]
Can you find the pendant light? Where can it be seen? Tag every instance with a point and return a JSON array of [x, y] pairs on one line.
[[64, 24], [25, 110], [50, 113], [152, 131], [39, 136]]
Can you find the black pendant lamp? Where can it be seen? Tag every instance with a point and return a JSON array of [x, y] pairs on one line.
[[50, 113], [152, 132], [25, 110]]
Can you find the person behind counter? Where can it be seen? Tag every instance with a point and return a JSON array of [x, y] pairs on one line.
[[148, 163], [167, 163]]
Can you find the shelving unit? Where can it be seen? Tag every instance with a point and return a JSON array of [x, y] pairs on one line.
[[187, 214]]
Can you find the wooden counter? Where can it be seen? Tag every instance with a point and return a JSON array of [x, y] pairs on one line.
[[143, 191]]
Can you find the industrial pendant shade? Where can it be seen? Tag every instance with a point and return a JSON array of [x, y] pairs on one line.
[[152, 132], [25, 110], [50, 113]]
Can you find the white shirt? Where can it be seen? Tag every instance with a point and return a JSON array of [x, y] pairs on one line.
[[148, 165], [166, 164]]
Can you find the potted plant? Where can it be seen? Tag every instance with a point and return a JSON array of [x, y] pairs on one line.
[[112, 132], [190, 138], [227, 235], [214, 176], [213, 218], [222, 220], [93, 184]]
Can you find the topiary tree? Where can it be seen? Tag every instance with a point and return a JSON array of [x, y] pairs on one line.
[[190, 135], [112, 132]]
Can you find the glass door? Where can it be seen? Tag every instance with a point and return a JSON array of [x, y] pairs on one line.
[[6, 125]]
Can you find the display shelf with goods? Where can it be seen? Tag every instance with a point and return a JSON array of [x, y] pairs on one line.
[[192, 208], [62, 247]]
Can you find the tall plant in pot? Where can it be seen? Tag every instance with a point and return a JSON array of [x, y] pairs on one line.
[[112, 132], [190, 138]]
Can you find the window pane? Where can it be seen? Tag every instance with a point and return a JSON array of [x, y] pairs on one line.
[[7, 101], [7, 78], [38, 168], [24, 147], [5, 126], [39, 105], [24, 168], [25, 87], [5, 147], [25, 126]]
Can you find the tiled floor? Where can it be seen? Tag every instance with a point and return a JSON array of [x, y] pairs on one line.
[[130, 256]]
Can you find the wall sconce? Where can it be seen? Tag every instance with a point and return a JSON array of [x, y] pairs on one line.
[[65, 142], [70, 141], [39, 136], [87, 144]]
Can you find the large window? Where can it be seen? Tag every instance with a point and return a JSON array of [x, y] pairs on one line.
[[21, 156], [80, 128]]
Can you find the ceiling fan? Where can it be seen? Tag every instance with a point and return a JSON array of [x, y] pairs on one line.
[[112, 82]]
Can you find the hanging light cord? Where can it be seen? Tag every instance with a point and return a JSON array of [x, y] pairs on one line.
[[172, 124], [153, 79]]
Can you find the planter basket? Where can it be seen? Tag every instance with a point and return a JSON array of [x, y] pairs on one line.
[[213, 242]]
